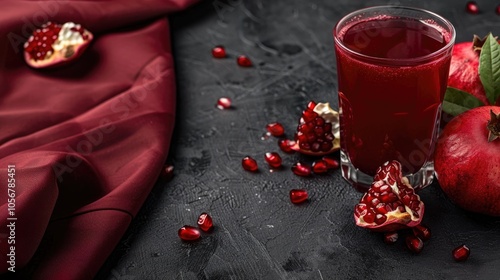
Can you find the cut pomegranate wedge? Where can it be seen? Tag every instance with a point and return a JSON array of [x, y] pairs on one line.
[[55, 44], [391, 203], [318, 132]]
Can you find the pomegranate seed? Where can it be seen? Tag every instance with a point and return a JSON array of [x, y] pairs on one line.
[[219, 52], [381, 208], [391, 170], [205, 222], [168, 171], [309, 115], [298, 196], [189, 233], [414, 243], [497, 10], [375, 201], [276, 129], [360, 209], [422, 232], [472, 8], [380, 219], [391, 237], [273, 159], [244, 61], [224, 103], [369, 217], [286, 145], [301, 169], [461, 253], [249, 164], [331, 162], [311, 105], [320, 167]]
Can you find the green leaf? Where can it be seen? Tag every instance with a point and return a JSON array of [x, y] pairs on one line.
[[457, 101], [489, 68]]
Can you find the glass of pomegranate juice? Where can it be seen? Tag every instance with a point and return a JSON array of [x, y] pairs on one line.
[[392, 65]]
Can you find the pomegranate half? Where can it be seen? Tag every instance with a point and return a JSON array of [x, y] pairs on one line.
[[55, 44], [467, 160]]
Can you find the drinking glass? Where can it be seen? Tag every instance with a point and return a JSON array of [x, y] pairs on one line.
[[392, 65]]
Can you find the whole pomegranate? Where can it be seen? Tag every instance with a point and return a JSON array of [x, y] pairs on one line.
[[467, 160], [464, 69]]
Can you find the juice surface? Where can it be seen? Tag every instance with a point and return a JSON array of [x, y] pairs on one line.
[[390, 110], [394, 38]]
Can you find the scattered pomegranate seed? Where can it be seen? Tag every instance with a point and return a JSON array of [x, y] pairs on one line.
[[219, 52], [331, 162], [273, 159], [472, 8], [414, 243], [205, 222], [298, 196], [422, 232], [189, 233], [301, 169], [391, 237], [320, 167], [244, 61], [224, 103], [497, 10], [276, 129], [168, 171], [461, 253], [286, 145], [249, 164]]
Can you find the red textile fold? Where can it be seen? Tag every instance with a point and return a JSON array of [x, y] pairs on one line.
[[87, 140]]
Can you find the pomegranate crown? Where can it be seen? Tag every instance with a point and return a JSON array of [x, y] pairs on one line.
[[478, 42], [493, 126]]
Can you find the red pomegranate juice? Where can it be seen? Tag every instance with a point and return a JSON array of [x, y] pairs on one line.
[[391, 87]]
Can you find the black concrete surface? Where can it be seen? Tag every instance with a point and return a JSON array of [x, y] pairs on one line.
[[258, 233]]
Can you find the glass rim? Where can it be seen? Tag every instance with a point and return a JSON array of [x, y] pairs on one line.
[[399, 61]]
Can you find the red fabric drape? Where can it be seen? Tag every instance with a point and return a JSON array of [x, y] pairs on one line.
[[88, 140]]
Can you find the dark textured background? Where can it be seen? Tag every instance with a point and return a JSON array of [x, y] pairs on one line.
[[258, 233]]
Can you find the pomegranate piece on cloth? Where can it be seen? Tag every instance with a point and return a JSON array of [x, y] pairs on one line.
[[56, 44]]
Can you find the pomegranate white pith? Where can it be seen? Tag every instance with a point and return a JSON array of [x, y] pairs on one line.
[[54, 44]]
